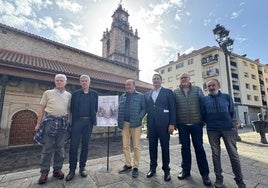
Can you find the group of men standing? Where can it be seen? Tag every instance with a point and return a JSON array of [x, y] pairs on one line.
[[186, 109]]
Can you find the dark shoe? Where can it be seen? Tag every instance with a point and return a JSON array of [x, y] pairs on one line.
[[167, 176], [70, 176], [219, 183], [125, 169], [240, 184], [206, 181], [42, 179], [183, 174], [264, 141], [150, 173], [83, 172], [59, 174], [135, 172]]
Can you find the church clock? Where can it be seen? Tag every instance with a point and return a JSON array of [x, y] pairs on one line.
[[120, 43]]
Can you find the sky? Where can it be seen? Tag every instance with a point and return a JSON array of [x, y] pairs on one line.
[[165, 27]]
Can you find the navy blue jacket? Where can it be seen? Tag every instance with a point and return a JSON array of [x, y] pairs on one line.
[[217, 112], [163, 111], [93, 108]]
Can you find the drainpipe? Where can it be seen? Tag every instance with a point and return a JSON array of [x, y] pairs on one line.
[[4, 79]]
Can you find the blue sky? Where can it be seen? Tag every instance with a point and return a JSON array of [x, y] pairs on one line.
[[165, 27]]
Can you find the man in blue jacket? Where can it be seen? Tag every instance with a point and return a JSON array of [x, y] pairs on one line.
[[131, 110], [84, 106], [161, 121], [218, 111]]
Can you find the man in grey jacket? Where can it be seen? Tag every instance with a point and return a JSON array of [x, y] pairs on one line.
[[132, 109]]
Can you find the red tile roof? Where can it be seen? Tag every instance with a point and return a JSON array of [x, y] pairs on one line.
[[26, 61]]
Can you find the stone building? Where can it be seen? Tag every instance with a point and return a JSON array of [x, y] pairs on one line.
[[28, 64]]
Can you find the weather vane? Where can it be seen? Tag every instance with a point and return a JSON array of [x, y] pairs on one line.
[[120, 2]]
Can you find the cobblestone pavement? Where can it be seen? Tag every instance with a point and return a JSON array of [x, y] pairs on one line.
[[253, 156]]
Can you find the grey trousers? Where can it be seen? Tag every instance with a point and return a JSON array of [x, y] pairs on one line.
[[53, 146], [229, 139]]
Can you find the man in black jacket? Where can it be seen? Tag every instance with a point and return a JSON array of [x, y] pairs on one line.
[[161, 121], [84, 106]]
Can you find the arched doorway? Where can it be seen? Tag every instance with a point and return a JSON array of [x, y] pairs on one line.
[[22, 128]]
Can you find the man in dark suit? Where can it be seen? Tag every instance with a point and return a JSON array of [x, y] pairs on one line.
[[84, 106], [161, 121]]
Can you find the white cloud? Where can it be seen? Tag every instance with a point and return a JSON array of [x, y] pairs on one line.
[[240, 39], [48, 22], [68, 5], [234, 15]]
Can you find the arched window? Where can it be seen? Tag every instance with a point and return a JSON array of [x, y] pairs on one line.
[[108, 47], [127, 46]]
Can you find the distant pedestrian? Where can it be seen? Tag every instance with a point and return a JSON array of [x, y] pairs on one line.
[[161, 122], [218, 111], [262, 126], [190, 125], [52, 126], [84, 106], [131, 111]]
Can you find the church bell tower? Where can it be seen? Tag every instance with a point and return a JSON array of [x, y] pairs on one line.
[[120, 43]]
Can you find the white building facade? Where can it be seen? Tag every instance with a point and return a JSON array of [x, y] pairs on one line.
[[248, 78]]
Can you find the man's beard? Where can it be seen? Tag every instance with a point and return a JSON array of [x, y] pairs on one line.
[[213, 92]]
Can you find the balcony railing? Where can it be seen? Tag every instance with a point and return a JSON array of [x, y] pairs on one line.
[[211, 72], [210, 59]]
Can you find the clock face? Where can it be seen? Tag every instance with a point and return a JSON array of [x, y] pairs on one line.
[[123, 17]]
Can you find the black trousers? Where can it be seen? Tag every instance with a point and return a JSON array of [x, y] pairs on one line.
[[160, 132]]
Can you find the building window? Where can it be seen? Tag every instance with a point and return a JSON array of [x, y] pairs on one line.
[[247, 86], [180, 65], [205, 87], [169, 69], [255, 87], [253, 77], [252, 66], [191, 73], [162, 71], [249, 97], [245, 63], [246, 74], [170, 79], [256, 98], [190, 61]]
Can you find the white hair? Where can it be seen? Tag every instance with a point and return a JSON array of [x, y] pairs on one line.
[[61, 75], [85, 76]]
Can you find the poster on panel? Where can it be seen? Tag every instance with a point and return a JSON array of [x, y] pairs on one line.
[[107, 114]]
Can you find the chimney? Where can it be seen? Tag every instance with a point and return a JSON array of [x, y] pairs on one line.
[[257, 60], [179, 55]]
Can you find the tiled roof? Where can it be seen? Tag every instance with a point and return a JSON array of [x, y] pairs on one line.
[[9, 28], [26, 61]]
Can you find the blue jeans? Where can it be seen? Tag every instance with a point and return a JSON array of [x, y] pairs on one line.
[[229, 138], [53, 144], [80, 132], [196, 133]]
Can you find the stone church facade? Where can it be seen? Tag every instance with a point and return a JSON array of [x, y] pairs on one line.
[[28, 64]]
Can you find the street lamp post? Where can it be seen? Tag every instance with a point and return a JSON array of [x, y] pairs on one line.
[[225, 43]]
